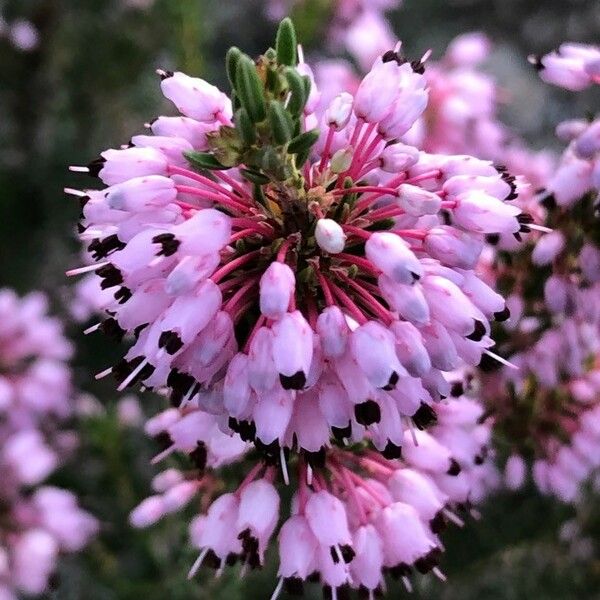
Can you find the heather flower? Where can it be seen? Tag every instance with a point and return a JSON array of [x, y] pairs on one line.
[[549, 412], [572, 66], [39, 521], [297, 302]]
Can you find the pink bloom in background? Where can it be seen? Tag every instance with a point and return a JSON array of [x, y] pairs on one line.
[[38, 522], [555, 327], [574, 67]]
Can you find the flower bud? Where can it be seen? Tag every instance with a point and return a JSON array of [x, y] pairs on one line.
[[330, 236]]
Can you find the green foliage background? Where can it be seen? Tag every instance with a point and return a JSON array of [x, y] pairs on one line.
[[90, 85]]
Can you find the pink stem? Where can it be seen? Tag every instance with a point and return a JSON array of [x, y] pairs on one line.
[[283, 250], [423, 176], [204, 180], [234, 185], [218, 198], [239, 295], [327, 148], [380, 191], [249, 478], [326, 289], [233, 265], [357, 231], [348, 303], [363, 263], [259, 323], [368, 300]]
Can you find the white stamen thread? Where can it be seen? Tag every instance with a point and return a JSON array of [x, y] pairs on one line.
[[103, 374], [162, 455], [541, 228], [453, 517], [76, 169], [278, 589], [309, 475], [197, 563], [132, 375], [86, 269], [407, 584], [74, 192], [92, 329], [438, 574], [501, 360], [284, 469]]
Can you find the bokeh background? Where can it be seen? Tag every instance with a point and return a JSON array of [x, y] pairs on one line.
[[76, 77]]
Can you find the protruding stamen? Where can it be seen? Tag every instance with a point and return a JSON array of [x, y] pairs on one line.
[[92, 329], [76, 169], [278, 589], [436, 571], [197, 563], [103, 374], [162, 455], [86, 269], [501, 360], [132, 375], [407, 584], [453, 517], [74, 192], [284, 469]]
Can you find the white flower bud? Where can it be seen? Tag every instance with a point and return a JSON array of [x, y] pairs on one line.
[[330, 236]]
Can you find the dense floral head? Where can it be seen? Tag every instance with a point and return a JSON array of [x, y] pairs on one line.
[[35, 396], [550, 414], [303, 280]]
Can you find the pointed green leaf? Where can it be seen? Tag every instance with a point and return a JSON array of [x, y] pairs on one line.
[[245, 127], [303, 142], [286, 43], [282, 126], [231, 60], [298, 95], [249, 89], [204, 160]]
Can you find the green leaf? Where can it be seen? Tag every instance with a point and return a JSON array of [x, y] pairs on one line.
[[298, 95], [282, 126], [303, 142], [231, 60], [286, 43], [249, 89], [254, 176], [204, 160], [245, 127]]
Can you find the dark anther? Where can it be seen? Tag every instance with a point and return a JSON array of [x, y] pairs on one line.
[[297, 381], [170, 341], [163, 440], [199, 455], [454, 469], [367, 413], [457, 389], [425, 416], [111, 276], [247, 430], [96, 166], [478, 331], [168, 244], [492, 238], [392, 451], [438, 523], [549, 202], [400, 570], [316, 459], [111, 328], [479, 460], [341, 433], [394, 378], [348, 553], [122, 295], [165, 74], [502, 315], [294, 586]]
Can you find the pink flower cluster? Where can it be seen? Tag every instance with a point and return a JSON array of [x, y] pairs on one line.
[[35, 396], [354, 519], [572, 66], [554, 330], [310, 307]]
